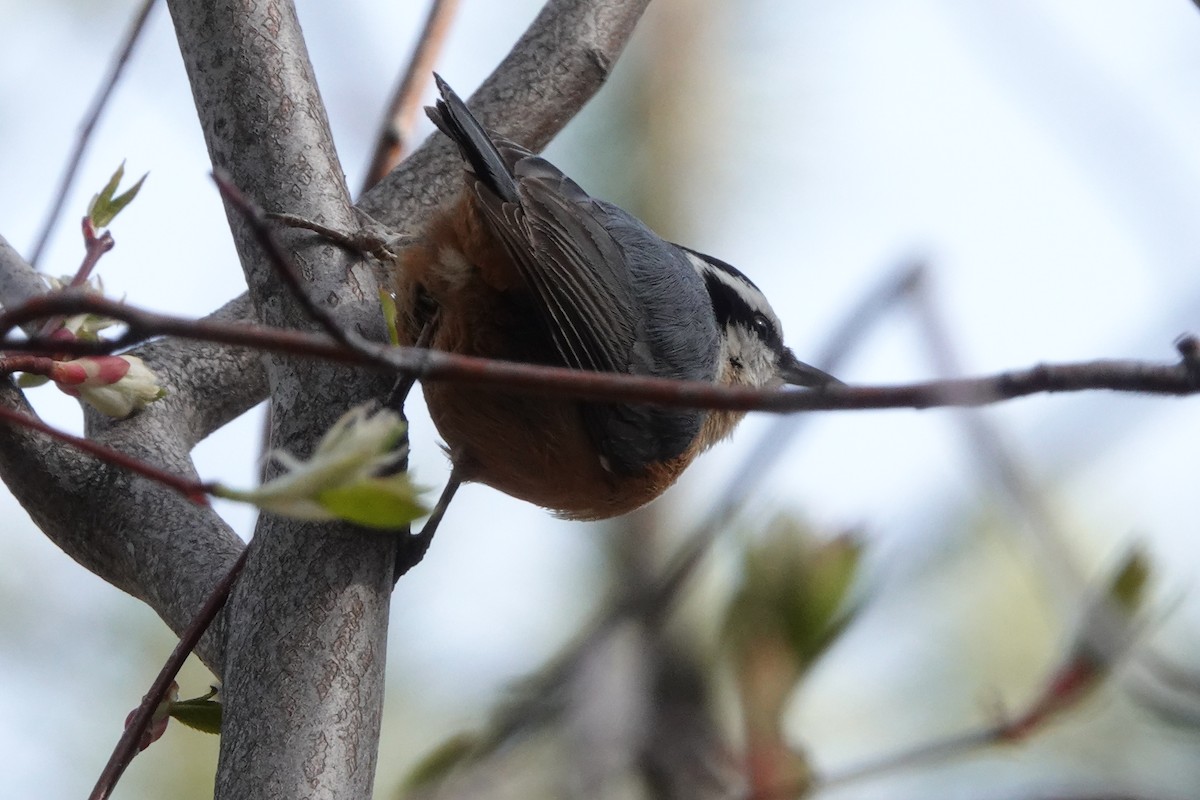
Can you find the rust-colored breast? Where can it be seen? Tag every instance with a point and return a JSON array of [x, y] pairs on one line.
[[532, 448]]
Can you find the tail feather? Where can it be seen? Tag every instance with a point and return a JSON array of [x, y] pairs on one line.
[[454, 119]]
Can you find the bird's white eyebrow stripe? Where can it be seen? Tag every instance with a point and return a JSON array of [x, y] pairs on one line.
[[753, 295]]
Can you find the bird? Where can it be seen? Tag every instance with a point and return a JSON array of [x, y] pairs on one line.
[[524, 265]]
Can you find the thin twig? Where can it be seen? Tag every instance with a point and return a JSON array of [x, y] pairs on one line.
[[94, 249], [89, 125], [127, 746], [257, 219], [1179, 378], [402, 110], [192, 490]]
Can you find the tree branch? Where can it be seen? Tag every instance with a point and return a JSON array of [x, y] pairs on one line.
[[308, 621], [133, 533], [212, 383], [19, 281], [1179, 378], [136, 534], [401, 113]]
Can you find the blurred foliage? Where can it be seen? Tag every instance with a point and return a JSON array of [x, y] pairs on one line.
[[1128, 585], [626, 710], [793, 601], [794, 588]]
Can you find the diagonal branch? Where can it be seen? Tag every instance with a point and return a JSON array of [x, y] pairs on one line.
[[19, 281], [89, 125], [391, 143], [1178, 378], [132, 532]]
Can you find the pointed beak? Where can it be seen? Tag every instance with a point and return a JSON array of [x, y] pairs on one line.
[[797, 373]]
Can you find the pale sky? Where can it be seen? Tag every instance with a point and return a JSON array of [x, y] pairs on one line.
[[1042, 157]]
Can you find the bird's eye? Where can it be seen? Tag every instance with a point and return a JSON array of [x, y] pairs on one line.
[[763, 327]]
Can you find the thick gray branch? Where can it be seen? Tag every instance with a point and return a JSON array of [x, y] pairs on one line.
[[308, 620], [18, 280], [213, 383], [135, 534]]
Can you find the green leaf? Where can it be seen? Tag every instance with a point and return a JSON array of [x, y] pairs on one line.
[[1128, 585], [105, 206], [430, 770], [30, 380], [796, 588], [200, 714], [387, 503], [389, 315]]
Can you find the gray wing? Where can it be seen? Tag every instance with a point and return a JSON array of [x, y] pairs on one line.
[[614, 297], [573, 265]]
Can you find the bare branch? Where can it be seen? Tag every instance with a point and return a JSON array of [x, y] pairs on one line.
[[89, 125], [1179, 378], [127, 746], [311, 595], [192, 490], [211, 383], [402, 110], [137, 535]]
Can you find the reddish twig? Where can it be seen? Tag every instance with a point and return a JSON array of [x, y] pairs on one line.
[[1180, 378], [402, 110], [31, 364], [257, 219], [94, 248], [127, 746], [143, 325], [89, 125], [1066, 687], [192, 490]]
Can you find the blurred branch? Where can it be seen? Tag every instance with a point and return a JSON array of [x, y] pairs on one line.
[[1081, 671], [402, 110], [90, 119], [989, 449]]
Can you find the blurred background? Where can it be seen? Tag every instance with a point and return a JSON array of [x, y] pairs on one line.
[[1041, 160]]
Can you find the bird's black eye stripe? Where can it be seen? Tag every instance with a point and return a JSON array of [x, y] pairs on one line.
[[729, 307], [725, 302]]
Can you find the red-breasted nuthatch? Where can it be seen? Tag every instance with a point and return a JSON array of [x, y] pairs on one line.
[[526, 266]]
